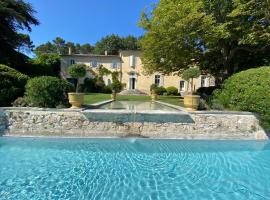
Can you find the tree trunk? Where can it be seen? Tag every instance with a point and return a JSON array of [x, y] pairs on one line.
[[77, 86], [191, 86]]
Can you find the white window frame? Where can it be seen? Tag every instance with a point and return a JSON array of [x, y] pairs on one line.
[[94, 63], [132, 61], [157, 79], [183, 89], [114, 64], [203, 81]]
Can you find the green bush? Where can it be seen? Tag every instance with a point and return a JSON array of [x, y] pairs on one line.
[[153, 87], [172, 90], [12, 85], [160, 90], [47, 91], [107, 89], [89, 85], [247, 91], [117, 86], [21, 102]]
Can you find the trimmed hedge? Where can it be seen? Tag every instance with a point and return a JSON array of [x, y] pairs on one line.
[[12, 85], [172, 91], [159, 90], [247, 91], [47, 91]]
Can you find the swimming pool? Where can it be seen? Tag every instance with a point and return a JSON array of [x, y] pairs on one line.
[[136, 105], [32, 168]]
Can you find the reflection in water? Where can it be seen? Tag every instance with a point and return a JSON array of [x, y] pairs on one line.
[[136, 105]]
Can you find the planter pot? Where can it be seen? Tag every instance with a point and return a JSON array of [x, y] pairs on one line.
[[76, 99], [153, 97], [191, 102]]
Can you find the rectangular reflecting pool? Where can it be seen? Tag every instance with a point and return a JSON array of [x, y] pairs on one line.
[[37, 169], [136, 105]]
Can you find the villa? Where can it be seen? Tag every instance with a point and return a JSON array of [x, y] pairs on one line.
[[132, 74]]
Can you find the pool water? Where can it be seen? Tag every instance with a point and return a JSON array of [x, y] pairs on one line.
[[136, 105], [133, 169]]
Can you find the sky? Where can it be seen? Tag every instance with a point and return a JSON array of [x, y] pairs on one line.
[[86, 21]]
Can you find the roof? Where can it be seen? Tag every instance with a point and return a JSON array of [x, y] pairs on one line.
[[89, 55]]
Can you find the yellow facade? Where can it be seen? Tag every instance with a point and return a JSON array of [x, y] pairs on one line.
[[132, 74]]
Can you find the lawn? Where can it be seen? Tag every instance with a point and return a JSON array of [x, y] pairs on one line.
[[98, 97]]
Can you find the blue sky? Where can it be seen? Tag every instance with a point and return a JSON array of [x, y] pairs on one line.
[[86, 21]]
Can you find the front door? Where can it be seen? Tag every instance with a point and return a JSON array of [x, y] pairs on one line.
[[132, 83]]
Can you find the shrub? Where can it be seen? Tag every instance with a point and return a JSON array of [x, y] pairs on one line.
[[207, 94], [206, 91], [49, 61], [153, 87], [77, 71], [107, 89], [89, 85], [47, 91], [116, 86], [12, 85], [172, 90], [21, 102], [160, 90], [247, 91]]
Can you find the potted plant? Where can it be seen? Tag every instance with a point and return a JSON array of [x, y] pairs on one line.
[[191, 101], [153, 92], [76, 71], [113, 95]]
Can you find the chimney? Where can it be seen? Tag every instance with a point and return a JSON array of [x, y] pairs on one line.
[[69, 51], [106, 53]]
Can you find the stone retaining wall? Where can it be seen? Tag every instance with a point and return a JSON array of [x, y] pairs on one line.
[[73, 123]]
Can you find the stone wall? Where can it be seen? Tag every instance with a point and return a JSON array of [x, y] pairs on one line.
[[73, 123]]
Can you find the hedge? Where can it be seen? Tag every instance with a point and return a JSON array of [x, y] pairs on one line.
[[172, 90], [247, 91], [12, 85], [47, 91]]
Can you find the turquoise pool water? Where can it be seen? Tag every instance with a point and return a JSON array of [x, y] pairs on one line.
[[136, 105], [133, 169]]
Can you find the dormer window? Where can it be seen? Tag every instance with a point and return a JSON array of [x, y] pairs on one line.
[[93, 63]]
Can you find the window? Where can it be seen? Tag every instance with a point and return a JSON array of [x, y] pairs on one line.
[[182, 86], [72, 62], [203, 81], [157, 80], [114, 64], [93, 63], [132, 60], [109, 82]]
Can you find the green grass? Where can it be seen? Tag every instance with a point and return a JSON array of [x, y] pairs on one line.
[[175, 100], [98, 97]]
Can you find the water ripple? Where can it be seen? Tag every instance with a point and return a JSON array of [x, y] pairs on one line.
[[133, 169]]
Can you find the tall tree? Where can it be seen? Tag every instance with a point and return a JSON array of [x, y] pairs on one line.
[[111, 43], [15, 16], [214, 33], [60, 46]]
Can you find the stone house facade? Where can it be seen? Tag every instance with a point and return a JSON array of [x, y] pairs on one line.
[[131, 73]]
